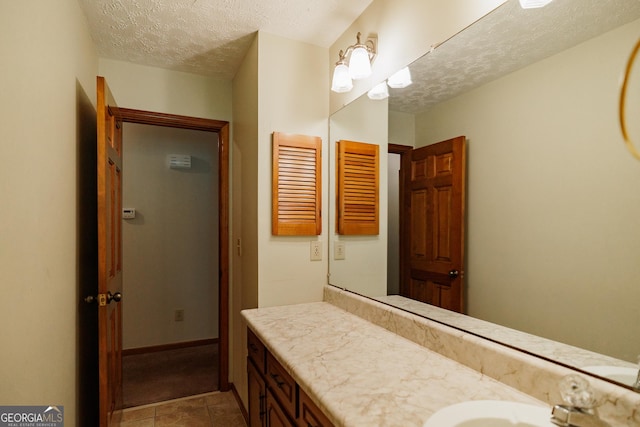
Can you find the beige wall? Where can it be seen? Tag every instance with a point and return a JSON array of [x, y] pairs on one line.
[[364, 269], [167, 91], [552, 197], [292, 97], [171, 247], [405, 30], [48, 68], [402, 128], [244, 235], [281, 86]]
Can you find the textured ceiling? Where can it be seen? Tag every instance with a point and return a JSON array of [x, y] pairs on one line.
[[505, 40], [209, 37]]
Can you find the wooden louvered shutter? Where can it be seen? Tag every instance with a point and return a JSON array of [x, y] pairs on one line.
[[296, 197], [357, 188]]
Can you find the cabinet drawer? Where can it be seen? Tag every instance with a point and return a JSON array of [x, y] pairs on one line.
[[256, 350], [283, 386], [310, 414]]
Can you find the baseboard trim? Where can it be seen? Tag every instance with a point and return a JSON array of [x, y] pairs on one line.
[[172, 346], [245, 414]]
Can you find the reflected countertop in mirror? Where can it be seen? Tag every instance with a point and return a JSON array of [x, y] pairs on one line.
[[552, 237], [552, 350]]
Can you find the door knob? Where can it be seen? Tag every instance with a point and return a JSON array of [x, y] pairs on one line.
[[117, 297], [453, 274], [104, 299]]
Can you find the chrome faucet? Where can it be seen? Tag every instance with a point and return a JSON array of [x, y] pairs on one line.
[[579, 408], [570, 416]]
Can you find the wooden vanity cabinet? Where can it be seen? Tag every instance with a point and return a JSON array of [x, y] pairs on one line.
[[283, 387], [275, 399], [257, 352], [257, 396], [275, 415], [309, 414]]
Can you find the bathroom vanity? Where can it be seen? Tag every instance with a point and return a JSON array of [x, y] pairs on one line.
[[275, 398], [352, 361]]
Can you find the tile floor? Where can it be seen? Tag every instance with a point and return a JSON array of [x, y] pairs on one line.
[[205, 410]]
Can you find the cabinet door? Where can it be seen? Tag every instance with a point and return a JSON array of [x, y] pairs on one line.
[[310, 414], [282, 385], [275, 415], [257, 396]]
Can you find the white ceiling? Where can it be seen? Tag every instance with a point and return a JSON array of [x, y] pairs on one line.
[[209, 37]]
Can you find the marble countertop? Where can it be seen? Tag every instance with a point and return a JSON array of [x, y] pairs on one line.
[[361, 374]]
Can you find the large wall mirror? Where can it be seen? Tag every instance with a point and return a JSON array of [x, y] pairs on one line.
[[552, 231]]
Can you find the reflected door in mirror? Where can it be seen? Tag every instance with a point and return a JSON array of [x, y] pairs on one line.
[[435, 225]]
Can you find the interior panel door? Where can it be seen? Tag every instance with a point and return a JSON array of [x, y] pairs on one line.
[[109, 178], [434, 218]]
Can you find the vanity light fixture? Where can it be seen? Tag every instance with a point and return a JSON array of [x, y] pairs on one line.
[[400, 79], [341, 78], [354, 63], [379, 91], [532, 4]]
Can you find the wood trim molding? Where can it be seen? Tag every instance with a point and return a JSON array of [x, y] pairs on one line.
[[223, 255], [399, 149], [170, 120], [245, 414]]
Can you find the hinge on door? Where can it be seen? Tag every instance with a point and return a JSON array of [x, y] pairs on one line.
[[102, 300]]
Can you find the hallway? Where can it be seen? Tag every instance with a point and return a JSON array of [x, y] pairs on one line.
[[169, 374]]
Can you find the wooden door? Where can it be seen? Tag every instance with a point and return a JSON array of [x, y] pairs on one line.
[[434, 225], [109, 178]]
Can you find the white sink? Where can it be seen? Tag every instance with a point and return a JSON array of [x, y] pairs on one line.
[[491, 413], [624, 375]]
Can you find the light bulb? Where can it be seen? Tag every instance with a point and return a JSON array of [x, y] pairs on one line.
[[532, 4], [359, 64], [379, 91], [400, 79], [341, 80]]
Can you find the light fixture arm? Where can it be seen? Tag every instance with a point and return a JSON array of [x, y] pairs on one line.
[[354, 63], [370, 45]]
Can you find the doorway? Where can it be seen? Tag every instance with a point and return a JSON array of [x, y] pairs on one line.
[[215, 133], [398, 165]]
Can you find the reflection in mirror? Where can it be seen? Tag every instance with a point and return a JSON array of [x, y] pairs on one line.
[[363, 120], [552, 232]]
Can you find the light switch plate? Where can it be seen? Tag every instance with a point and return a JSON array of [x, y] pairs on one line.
[[339, 250], [316, 251]]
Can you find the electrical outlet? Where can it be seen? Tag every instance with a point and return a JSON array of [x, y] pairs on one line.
[[339, 250], [316, 251], [178, 315]]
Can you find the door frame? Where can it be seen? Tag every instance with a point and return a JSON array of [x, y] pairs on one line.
[[405, 163], [221, 129]]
